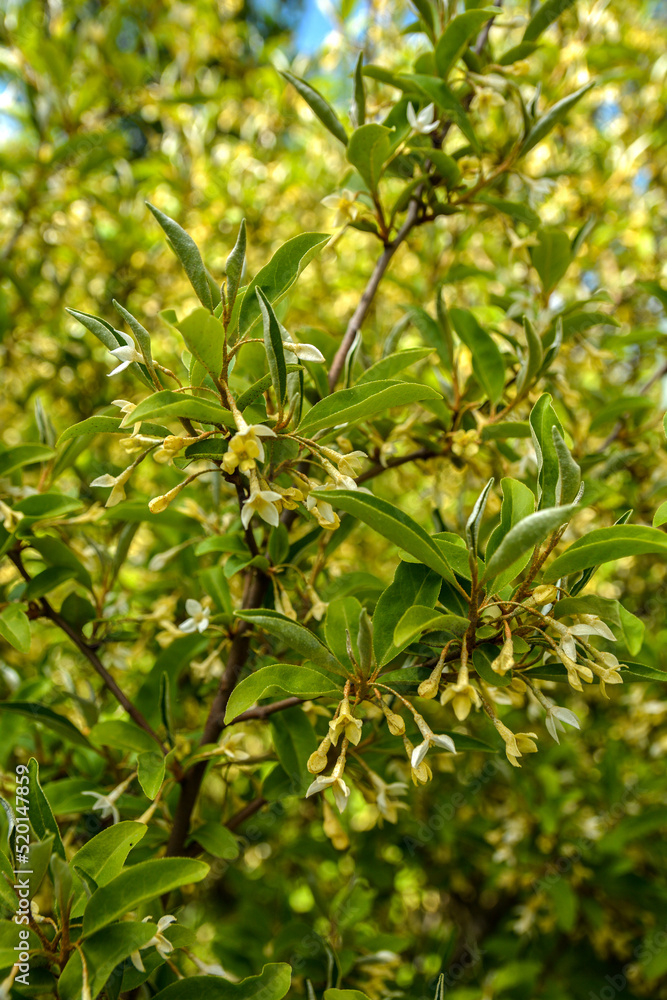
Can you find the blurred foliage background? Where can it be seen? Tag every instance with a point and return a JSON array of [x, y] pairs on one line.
[[548, 882]]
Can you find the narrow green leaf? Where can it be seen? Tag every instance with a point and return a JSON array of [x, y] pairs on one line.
[[15, 628], [150, 772], [141, 334], [660, 516], [543, 17], [393, 524], [569, 473], [41, 815], [273, 344], [137, 884], [368, 151], [294, 635], [474, 521], [390, 366], [518, 503], [277, 277], [413, 584], [525, 535], [553, 116], [216, 839], [321, 108], [456, 36], [119, 733], [542, 421], [102, 951], [188, 253], [277, 679], [417, 620], [42, 715], [487, 361], [23, 454], [361, 402], [273, 983], [359, 102], [607, 544], [533, 360], [431, 332], [234, 266], [103, 856], [551, 257], [168, 403]]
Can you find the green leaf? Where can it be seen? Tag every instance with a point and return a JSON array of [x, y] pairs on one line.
[[413, 584], [551, 257], [516, 53], [543, 17], [505, 429], [393, 524], [188, 253], [45, 582], [482, 658], [141, 334], [446, 166], [427, 16], [553, 116], [607, 544], [277, 277], [334, 994], [457, 34], [104, 332], [437, 91], [533, 359], [359, 102], [569, 473], [660, 516], [295, 636], [273, 344], [45, 506], [41, 815], [518, 211], [420, 619], [103, 857], [234, 265], [543, 420], [294, 740], [15, 628], [387, 367], [92, 425], [525, 535], [343, 616], [431, 332], [487, 361], [474, 521], [168, 403], [216, 839], [44, 716], [277, 679], [136, 885], [204, 336], [259, 387], [150, 772], [23, 454], [273, 983], [518, 503], [321, 108], [102, 951], [619, 408], [368, 151], [56, 553], [361, 402], [118, 733]]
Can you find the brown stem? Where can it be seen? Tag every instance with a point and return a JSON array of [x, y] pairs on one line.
[[484, 33], [215, 723], [359, 314], [243, 814], [49, 612], [263, 711]]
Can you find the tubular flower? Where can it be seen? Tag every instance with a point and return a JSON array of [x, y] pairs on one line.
[[199, 617], [126, 354], [318, 758], [504, 661], [462, 696], [395, 722], [162, 944], [304, 352], [334, 781], [422, 773], [246, 446], [346, 724], [431, 739], [607, 668], [323, 512], [262, 502], [117, 483], [171, 446], [348, 465], [290, 496], [556, 716], [424, 121], [106, 804], [344, 205], [516, 744], [387, 806]]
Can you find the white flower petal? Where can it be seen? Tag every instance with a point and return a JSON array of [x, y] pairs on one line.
[[419, 753], [446, 742], [189, 625], [565, 715], [105, 480], [319, 784], [193, 607]]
